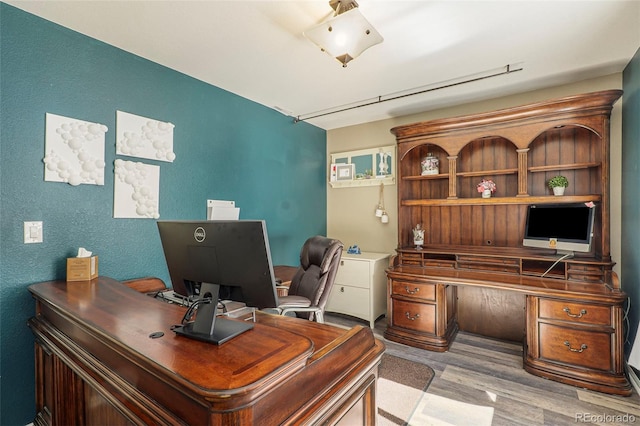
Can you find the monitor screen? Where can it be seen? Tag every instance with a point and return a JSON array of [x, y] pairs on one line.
[[219, 259], [563, 227]]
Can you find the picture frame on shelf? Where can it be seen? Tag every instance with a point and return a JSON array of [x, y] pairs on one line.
[[344, 172], [370, 167]]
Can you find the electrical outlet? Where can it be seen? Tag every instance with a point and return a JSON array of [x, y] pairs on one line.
[[32, 232]]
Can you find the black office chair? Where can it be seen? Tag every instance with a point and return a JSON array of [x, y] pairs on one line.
[[311, 285]]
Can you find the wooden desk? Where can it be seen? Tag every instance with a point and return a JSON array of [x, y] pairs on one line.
[[573, 330], [97, 364]]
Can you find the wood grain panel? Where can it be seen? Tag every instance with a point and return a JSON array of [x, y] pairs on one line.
[[492, 313]]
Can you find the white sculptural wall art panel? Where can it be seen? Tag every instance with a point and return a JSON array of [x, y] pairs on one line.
[[136, 190], [142, 137], [74, 151]]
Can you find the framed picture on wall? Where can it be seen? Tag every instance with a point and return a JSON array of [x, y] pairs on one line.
[[344, 171], [371, 166]]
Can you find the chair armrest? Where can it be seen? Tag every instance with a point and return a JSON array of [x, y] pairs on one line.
[[146, 284], [318, 312]]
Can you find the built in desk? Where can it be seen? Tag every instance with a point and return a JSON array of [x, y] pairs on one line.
[[97, 362], [573, 329]]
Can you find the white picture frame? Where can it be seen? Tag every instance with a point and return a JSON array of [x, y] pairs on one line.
[[344, 172]]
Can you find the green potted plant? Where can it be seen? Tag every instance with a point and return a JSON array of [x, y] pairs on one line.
[[558, 184]]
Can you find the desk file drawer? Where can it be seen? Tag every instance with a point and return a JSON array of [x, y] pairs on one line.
[[353, 273], [583, 313], [414, 316], [349, 300], [589, 349], [414, 290]]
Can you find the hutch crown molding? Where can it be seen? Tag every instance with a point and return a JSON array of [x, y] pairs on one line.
[[568, 312]]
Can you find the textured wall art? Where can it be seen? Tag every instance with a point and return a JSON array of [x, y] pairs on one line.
[[142, 137], [74, 151], [136, 190]]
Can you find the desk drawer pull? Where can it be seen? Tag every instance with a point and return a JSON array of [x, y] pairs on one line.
[[414, 291], [408, 315], [582, 347], [582, 312]]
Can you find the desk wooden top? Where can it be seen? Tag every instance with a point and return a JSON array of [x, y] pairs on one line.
[[283, 368], [519, 283], [273, 350]]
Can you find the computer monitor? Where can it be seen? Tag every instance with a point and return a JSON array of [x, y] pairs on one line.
[[204, 257], [563, 227]]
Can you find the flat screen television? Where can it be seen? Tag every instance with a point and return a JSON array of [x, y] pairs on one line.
[[567, 228], [219, 259]]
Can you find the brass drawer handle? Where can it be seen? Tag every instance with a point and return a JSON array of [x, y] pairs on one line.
[[414, 291], [568, 311], [408, 315], [582, 347], [341, 289]]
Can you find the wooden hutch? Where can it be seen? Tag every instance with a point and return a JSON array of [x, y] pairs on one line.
[[473, 272]]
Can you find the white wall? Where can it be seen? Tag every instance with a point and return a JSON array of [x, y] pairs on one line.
[[350, 211]]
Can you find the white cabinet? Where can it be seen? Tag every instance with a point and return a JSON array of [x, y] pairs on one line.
[[360, 288]]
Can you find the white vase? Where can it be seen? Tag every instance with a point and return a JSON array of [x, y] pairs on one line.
[[486, 193], [558, 190]]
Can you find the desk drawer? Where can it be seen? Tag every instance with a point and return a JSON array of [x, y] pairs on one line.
[[411, 259], [414, 316], [349, 300], [439, 263], [590, 349], [353, 273], [583, 313], [498, 264], [414, 290]]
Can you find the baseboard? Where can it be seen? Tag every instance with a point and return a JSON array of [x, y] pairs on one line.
[[633, 377]]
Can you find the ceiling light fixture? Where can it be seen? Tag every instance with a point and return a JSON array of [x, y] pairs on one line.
[[345, 35]]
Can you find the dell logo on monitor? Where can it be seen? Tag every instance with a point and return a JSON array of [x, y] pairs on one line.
[[199, 234]]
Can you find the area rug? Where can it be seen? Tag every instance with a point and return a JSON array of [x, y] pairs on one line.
[[401, 386], [403, 399]]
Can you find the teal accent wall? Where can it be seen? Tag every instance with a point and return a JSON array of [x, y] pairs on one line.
[[630, 262], [227, 147]]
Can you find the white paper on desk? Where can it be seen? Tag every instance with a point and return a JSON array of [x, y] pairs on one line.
[[223, 213]]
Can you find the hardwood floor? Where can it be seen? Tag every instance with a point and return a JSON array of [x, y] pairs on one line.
[[488, 373]]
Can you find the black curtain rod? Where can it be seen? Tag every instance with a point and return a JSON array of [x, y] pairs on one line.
[[507, 70]]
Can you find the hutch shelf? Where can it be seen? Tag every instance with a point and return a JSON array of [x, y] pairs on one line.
[[473, 273]]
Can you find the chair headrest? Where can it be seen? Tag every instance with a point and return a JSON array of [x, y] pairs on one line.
[[314, 252]]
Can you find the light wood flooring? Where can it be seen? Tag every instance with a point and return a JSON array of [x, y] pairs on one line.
[[488, 373]]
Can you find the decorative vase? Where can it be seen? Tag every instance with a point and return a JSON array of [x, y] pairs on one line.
[[558, 190], [430, 165], [486, 193], [383, 167], [418, 236]]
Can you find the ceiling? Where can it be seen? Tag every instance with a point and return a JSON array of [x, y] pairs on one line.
[[256, 49]]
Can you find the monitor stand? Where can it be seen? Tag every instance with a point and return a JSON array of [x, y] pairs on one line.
[[207, 327]]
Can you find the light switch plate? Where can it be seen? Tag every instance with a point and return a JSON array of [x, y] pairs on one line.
[[32, 232]]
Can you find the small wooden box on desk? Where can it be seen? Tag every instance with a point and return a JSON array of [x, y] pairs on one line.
[[360, 286]]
